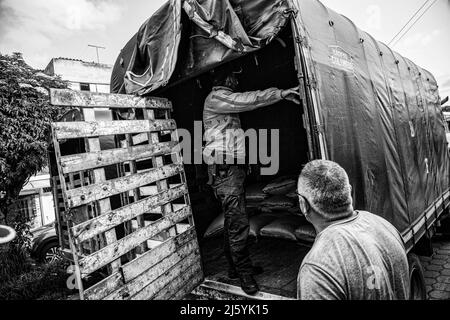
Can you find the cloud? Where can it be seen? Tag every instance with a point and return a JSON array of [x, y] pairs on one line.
[[34, 25], [56, 16]]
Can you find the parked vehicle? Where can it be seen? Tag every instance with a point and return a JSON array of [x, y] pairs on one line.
[[45, 244], [365, 107]]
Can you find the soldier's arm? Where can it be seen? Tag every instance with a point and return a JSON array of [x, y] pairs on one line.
[[226, 101]]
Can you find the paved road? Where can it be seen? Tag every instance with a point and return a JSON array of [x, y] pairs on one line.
[[437, 270]]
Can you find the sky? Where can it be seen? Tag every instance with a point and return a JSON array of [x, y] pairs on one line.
[[44, 29]]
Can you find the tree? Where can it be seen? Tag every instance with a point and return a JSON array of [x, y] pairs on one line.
[[25, 116]]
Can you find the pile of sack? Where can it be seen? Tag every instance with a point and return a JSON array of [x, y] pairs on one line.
[[274, 212]]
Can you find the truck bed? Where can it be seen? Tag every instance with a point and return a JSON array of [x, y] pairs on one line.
[[280, 260]]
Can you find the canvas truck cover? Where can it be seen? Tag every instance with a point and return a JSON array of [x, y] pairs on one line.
[[184, 38], [379, 112]]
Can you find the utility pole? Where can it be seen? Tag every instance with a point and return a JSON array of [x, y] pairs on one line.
[[96, 48]]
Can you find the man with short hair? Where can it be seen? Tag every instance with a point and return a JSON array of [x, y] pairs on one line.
[[224, 152], [356, 255]]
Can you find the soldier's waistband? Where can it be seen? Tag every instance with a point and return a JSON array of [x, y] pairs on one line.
[[223, 158]]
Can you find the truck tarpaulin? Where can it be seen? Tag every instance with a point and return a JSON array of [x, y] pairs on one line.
[[381, 117], [194, 36], [380, 112]]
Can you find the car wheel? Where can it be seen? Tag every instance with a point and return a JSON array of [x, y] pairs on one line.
[[51, 253]]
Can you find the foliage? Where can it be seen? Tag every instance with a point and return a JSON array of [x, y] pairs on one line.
[[15, 258], [25, 115], [13, 262], [41, 282], [21, 278], [22, 242]]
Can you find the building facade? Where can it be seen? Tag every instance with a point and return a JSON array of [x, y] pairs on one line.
[[81, 75]]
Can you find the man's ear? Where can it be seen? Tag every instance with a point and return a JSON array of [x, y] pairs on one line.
[[304, 206]]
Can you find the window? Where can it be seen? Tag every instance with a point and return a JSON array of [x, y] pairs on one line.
[[25, 206], [47, 190], [85, 87]]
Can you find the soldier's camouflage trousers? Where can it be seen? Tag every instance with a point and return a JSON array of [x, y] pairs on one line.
[[227, 182]]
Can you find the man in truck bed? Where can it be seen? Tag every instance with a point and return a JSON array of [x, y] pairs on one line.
[[356, 255], [225, 154]]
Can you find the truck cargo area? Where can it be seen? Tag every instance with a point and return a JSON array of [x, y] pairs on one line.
[[281, 247], [280, 260]]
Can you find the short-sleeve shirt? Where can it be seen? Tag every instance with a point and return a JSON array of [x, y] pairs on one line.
[[362, 258]]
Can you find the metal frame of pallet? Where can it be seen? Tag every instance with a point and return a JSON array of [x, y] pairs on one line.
[[120, 253]]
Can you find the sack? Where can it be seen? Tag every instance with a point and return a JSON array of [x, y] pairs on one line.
[[283, 228], [277, 203], [252, 205], [255, 192], [260, 221], [292, 195], [281, 186], [216, 227], [295, 210], [305, 233]]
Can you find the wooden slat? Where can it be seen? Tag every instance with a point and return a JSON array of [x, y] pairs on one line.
[[138, 266], [221, 291], [181, 286], [86, 129], [70, 98], [101, 289], [185, 269], [85, 195], [155, 271], [75, 251], [115, 250], [109, 220], [55, 192], [137, 139], [150, 258], [86, 161]]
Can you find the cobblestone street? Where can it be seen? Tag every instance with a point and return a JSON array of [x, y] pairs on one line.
[[437, 270]]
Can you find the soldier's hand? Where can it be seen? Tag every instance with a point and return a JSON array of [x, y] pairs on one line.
[[292, 95]]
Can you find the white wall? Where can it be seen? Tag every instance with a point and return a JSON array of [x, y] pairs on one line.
[[80, 71], [48, 208], [99, 88]]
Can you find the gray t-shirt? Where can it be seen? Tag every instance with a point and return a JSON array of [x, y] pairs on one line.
[[362, 258]]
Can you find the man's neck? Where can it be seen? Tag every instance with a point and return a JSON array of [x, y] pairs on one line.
[[323, 224]]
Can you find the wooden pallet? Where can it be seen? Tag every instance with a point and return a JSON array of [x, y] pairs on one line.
[[124, 212]]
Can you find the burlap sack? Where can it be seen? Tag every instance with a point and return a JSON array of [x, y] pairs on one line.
[[283, 228], [305, 233], [281, 186], [216, 227], [255, 192], [259, 221], [277, 203]]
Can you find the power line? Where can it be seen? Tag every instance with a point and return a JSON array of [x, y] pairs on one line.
[[406, 24], [426, 10]]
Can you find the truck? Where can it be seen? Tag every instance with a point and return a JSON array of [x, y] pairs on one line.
[[132, 216]]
